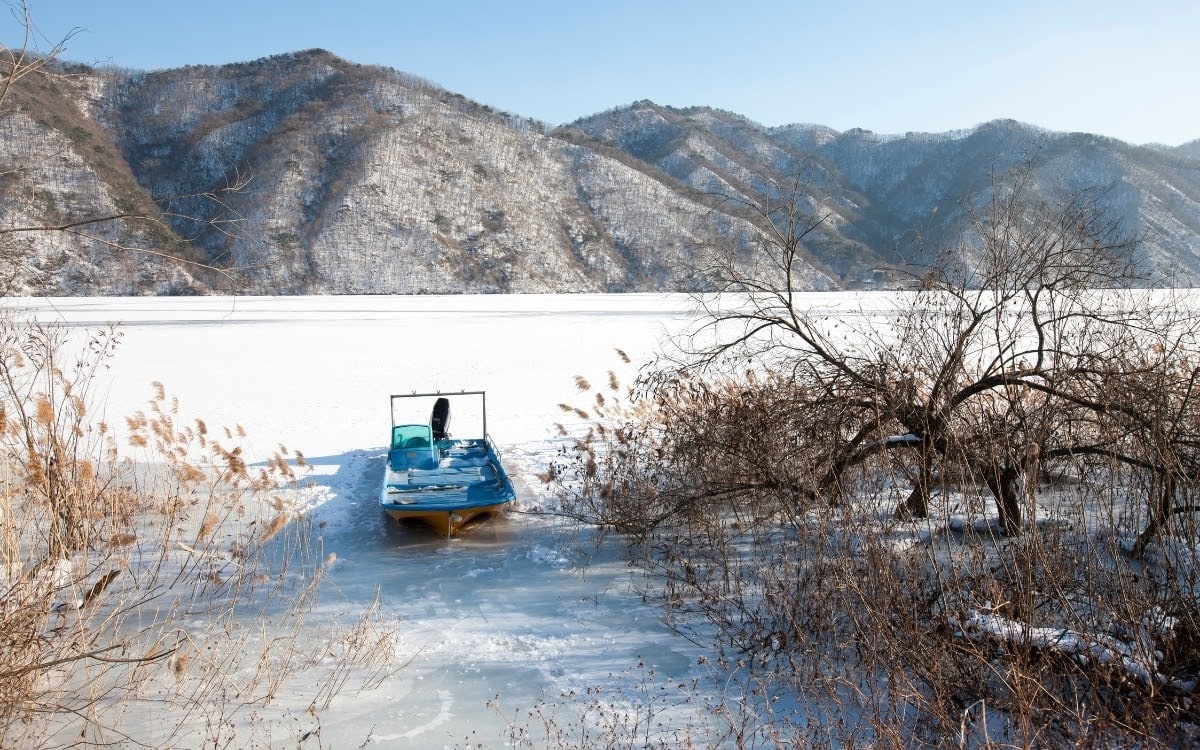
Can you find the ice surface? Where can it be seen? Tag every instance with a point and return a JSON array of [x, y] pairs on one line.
[[315, 372], [520, 609]]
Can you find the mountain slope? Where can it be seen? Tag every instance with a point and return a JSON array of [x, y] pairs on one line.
[[59, 168], [369, 181], [891, 200], [305, 173]]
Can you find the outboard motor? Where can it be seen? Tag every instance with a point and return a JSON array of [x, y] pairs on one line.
[[439, 421]]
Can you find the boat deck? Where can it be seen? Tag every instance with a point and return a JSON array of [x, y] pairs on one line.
[[450, 475]]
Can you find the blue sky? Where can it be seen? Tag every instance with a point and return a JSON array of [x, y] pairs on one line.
[[1123, 69]]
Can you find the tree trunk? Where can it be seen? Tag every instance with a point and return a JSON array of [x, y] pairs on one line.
[[1160, 511], [1002, 481], [917, 503]]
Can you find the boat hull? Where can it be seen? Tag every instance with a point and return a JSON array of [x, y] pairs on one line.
[[445, 522], [445, 484]]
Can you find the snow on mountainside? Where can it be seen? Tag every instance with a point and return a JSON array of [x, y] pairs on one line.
[[356, 179], [359, 179], [881, 191], [369, 181], [58, 168]]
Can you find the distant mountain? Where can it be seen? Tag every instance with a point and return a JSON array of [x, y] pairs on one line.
[[358, 179], [884, 193]]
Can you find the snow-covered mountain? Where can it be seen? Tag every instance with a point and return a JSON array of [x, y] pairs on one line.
[[892, 199], [304, 173]]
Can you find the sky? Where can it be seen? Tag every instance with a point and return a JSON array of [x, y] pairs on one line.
[[1124, 69]]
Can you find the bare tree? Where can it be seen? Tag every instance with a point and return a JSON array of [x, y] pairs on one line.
[[1016, 349], [15, 64], [805, 485]]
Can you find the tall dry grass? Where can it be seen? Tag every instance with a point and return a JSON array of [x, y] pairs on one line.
[[152, 593]]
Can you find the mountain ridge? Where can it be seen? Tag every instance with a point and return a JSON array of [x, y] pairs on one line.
[[362, 179]]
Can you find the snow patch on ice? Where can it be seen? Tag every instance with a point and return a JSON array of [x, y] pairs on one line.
[[547, 556]]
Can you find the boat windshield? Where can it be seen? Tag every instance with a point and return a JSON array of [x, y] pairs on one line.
[[411, 436]]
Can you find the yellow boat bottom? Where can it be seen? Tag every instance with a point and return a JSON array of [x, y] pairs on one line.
[[444, 522]]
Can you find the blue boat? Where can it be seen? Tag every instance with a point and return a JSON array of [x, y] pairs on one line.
[[443, 481]]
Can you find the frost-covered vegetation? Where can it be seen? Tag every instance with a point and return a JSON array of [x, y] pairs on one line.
[[142, 584], [150, 593], [965, 517]]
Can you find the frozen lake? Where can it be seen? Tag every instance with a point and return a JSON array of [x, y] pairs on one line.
[[522, 608]]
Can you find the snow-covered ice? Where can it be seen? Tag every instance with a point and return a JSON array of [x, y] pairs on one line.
[[522, 608], [315, 372]]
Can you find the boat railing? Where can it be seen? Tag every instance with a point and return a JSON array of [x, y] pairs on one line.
[[499, 457], [491, 444]]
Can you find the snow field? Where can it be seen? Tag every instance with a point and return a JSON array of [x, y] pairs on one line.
[[513, 612]]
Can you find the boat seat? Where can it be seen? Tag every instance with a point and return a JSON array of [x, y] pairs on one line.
[[417, 442]]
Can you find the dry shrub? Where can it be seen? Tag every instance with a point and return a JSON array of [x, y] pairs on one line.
[[691, 448], [928, 632], [131, 586]]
